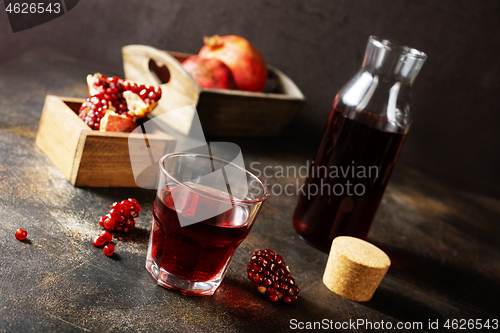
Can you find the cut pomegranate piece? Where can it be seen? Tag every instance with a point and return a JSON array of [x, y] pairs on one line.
[[271, 277], [117, 97], [117, 123]]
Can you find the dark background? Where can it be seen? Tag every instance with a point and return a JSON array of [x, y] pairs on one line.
[[320, 44]]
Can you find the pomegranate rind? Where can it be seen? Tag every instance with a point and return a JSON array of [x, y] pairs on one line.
[[116, 123], [90, 83], [136, 105]]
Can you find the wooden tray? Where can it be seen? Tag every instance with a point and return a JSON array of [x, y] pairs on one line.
[[231, 113], [92, 158]]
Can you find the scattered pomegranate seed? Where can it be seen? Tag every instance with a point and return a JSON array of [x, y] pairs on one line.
[[106, 236], [98, 241], [21, 234], [109, 249], [101, 220], [271, 277]]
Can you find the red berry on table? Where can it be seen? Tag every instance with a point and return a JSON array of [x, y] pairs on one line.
[[109, 223], [101, 220], [115, 212], [106, 236], [21, 234], [135, 205], [98, 241], [109, 249], [125, 207], [271, 277]]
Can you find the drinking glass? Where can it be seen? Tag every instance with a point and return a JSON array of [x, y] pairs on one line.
[[204, 208]]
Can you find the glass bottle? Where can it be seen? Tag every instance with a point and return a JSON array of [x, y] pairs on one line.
[[364, 134]]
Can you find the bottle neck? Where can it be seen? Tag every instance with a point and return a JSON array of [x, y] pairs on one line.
[[392, 62]]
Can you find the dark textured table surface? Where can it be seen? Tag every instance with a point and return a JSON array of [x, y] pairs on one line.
[[443, 242]]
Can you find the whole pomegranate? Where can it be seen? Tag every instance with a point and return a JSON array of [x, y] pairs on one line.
[[246, 63], [209, 73]]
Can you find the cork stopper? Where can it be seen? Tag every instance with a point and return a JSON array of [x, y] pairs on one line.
[[355, 268]]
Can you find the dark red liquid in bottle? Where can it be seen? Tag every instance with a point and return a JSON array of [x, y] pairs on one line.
[[200, 251], [350, 174]]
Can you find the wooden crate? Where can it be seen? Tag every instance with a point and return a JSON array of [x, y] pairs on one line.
[[90, 158], [230, 113]]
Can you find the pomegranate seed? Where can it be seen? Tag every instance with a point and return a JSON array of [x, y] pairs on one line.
[[125, 207], [109, 224], [109, 249], [129, 223], [98, 241], [101, 220], [143, 93], [257, 279], [115, 212], [274, 298], [135, 205], [21, 234], [106, 236], [95, 100], [152, 95]]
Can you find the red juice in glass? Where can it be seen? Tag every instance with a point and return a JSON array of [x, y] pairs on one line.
[[199, 251]]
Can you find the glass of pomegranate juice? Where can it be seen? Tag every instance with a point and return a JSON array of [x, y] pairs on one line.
[[204, 208]]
